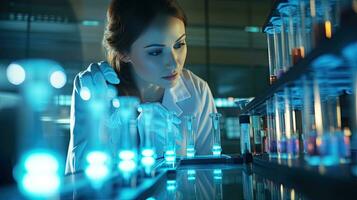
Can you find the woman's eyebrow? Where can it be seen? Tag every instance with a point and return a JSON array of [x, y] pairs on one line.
[[183, 35], [162, 45]]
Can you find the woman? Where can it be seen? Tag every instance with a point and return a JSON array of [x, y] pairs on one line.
[[145, 41]]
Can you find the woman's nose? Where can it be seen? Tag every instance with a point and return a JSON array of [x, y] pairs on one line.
[[171, 61]]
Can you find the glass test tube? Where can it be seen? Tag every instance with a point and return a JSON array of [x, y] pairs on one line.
[[189, 129], [270, 34], [147, 147], [290, 126], [128, 146], [280, 127], [216, 132], [170, 144], [38, 169], [271, 129], [245, 132], [257, 135], [278, 46]]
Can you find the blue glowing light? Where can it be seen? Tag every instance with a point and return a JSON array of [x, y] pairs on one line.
[[171, 185], [97, 172], [98, 168], [190, 152], [116, 103], [217, 171], [216, 150], [85, 93], [126, 155], [58, 79], [147, 161], [217, 174], [15, 74], [36, 184], [170, 153], [38, 174], [191, 172], [41, 163], [147, 152], [127, 165], [97, 157], [90, 23]]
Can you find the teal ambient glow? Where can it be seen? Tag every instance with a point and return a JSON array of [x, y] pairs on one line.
[[116, 103], [147, 152], [127, 165], [40, 184], [15, 74], [147, 161], [98, 166], [38, 174], [58, 79], [90, 23], [126, 155], [171, 185], [252, 29], [41, 163]]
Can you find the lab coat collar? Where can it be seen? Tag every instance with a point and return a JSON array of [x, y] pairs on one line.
[[174, 95]]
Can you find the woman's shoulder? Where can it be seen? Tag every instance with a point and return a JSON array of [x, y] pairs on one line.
[[194, 82]]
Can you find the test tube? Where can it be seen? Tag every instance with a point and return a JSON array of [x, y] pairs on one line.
[[257, 136], [38, 169], [271, 53], [190, 135], [271, 129], [128, 145], [245, 132], [216, 132], [287, 11], [170, 144], [280, 126], [147, 147], [290, 126], [278, 46]]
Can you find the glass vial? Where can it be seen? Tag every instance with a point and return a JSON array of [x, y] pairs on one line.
[[245, 134], [216, 148], [189, 130]]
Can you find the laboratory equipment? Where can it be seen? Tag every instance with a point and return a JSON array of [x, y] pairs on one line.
[[245, 132], [190, 133], [170, 138], [147, 148], [128, 143], [38, 170], [216, 132]]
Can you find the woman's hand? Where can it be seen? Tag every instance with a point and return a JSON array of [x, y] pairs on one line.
[[93, 81]]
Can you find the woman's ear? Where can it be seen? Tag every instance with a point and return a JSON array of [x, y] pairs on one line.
[[125, 58]]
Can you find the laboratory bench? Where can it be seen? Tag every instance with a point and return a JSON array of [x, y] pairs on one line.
[[225, 177]]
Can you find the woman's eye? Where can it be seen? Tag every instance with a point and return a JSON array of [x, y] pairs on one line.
[[179, 45], [155, 52]]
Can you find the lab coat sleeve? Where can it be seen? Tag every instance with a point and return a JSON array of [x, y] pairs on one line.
[[204, 137], [78, 138]]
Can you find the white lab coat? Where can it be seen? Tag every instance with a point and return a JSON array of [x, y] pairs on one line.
[[191, 95]]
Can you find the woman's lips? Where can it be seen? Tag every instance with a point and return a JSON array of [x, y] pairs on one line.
[[171, 77]]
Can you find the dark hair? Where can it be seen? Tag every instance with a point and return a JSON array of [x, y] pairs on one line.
[[126, 21]]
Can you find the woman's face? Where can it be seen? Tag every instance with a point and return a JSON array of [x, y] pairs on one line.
[[159, 54]]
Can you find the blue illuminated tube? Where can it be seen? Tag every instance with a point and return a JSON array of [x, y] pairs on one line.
[[128, 136], [148, 154], [38, 174], [170, 145], [190, 136], [216, 149]]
